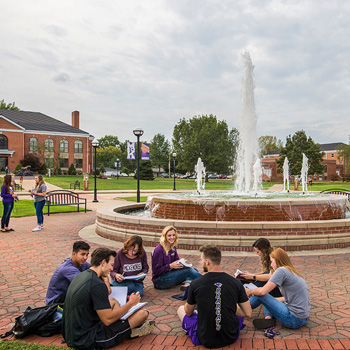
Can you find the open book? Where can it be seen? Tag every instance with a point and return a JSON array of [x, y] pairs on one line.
[[184, 262], [238, 275], [135, 277], [120, 294]]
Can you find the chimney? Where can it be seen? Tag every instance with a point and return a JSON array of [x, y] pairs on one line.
[[75, 119]]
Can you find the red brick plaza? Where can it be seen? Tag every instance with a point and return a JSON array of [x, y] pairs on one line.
[[28, 260]]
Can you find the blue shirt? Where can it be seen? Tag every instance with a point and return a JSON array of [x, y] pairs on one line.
[[62, 278]]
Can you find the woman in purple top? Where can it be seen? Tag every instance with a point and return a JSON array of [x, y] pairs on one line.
[[8, 198], [130, 261], [166, 269]]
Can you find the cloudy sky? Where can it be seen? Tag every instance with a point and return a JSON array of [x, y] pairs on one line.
[[137, 63]]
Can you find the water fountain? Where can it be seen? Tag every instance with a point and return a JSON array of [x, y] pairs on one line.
[[200, 176], [286, 175], [233, 223]]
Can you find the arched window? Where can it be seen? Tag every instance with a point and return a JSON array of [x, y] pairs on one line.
[[33, 144], [64, 146], [78, 147], [3, 142], [49, 145]]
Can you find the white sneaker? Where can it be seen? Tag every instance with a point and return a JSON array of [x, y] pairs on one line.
[[144, 329], [41, 227], [36, 229]]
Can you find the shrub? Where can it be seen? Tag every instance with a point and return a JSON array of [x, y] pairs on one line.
[[72, 170], [43, 169]]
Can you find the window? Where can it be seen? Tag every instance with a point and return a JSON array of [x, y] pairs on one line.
[[49, 162], [78, 147], [33, 144], [64, 146], [325, 169], [78, 163], [332, 155], [48, 145], [3, 142], [64, 162]]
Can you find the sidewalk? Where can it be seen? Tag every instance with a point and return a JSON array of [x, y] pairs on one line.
[[29, 259]]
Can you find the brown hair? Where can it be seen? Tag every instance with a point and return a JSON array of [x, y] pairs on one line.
[[7, 182], [282, 260], [211, 252], [131, 242], [100, 254], [265, 247], [41, 181], [163, 241]]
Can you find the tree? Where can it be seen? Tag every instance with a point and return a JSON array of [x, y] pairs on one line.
[[269, 144], [208, 138], [146, 172], [344, 152], [108, 156], [159, 151], [12, 106], [72, 170], [32, 160], [108, 141], [294, 149]]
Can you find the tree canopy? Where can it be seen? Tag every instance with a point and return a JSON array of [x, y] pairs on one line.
[[205, 137], [295, 146], [108, 141], [159, 151], [4, 105], [269, 143], [344, 152]]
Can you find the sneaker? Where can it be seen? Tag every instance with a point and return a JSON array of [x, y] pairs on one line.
[[41, 227], [184, 286], [144, 329], [36, 229]]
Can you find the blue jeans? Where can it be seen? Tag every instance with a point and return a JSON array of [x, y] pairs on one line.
[[8, 206], [278, 310], [177, 276], [133, 287], [39, 206]]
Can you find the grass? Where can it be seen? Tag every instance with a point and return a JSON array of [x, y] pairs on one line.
[[19, 345], [25, 207], [143, 199]]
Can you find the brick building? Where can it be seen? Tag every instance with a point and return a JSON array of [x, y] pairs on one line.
[[56, 143]]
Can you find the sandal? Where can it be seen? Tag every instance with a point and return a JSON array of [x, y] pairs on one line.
[[264, 323]]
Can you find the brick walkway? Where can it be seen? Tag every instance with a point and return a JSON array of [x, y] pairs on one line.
[[28, 260]]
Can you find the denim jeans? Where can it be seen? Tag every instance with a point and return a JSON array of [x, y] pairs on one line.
[[176, 276], [133, 287], [39, 206], [8, 206], [278, 310]]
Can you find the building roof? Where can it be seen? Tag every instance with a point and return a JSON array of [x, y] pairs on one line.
[[330, 146], [39, 122]]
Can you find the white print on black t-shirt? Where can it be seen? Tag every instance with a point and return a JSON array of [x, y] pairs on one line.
[[218, 305], [132, 267]]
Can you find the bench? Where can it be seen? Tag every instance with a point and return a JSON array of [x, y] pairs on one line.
[[75, 185], [63, 197], [338, 191], [18, 187]]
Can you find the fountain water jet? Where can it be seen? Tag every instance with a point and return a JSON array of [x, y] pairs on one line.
[[200, 175], [285, 175]]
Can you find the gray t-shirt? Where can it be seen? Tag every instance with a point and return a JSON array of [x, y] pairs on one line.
[[41, 189], [294, 290]]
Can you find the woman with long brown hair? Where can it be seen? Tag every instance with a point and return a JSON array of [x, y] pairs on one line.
[[39, 193], [8, 199], [292, 310], [131, 260]]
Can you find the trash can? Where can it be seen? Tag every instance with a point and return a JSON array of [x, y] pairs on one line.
[[86, 182], [295, 183]]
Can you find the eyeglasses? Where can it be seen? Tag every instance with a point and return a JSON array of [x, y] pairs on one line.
[[134, 250]]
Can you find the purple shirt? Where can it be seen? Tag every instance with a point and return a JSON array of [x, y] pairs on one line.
[[161, 262], [62, 278], [6, 197], [127, 266]]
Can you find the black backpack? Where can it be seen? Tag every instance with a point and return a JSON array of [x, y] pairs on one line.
[[44, 321]]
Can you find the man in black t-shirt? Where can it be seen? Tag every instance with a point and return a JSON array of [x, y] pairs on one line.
[[92, 320], [216, 295]]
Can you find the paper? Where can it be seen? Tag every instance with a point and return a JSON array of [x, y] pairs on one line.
[[238, 272], [184, 262], [250, 285], [119, 294], [132, 310], [135, 277]]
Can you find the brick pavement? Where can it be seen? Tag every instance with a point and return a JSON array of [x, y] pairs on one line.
[[28, 260]]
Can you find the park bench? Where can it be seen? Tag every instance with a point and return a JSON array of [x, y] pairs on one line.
[[338, 191], [75, 185], [63, 197], [18, 187]]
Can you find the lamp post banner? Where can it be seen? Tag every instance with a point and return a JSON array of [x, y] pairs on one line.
[[130, 150], [145, 151]]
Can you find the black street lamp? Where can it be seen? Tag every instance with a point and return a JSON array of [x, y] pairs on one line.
[[117, 168], [138, 132], [174, 156], [95, 145]]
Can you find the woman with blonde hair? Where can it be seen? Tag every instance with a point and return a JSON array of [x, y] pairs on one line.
[[292, 310], [167, 271], [39, 193], [131, 260]]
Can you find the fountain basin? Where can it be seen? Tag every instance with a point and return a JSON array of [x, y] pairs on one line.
[[111, 223], [248, 209]]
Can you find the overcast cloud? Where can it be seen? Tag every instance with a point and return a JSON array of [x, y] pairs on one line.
[[137, 63]]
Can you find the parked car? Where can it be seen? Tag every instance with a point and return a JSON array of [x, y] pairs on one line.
[[110, 173], [213, 176], [132, 174], [184, 176], [123, 175], [164, 175], [102, 176], [222, 176]]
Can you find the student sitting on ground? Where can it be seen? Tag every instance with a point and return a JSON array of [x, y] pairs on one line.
[[293, 309], [91, 320], [263, 249], [167, 271], [131, 260], [218, 320]]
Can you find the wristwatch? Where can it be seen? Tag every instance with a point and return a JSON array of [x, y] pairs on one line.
[[254, 278]]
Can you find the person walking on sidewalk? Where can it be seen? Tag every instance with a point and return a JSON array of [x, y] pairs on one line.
[[8, 199], [39, 193]]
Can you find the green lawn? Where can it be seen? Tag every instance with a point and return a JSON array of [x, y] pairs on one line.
[[25, 207], [19, 345]]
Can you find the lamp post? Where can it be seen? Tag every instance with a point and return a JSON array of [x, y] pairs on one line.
[[117, 168], [138, 132], [95, 145], [174, 156]]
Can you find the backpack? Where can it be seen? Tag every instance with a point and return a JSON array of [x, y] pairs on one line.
[[44, 321]]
